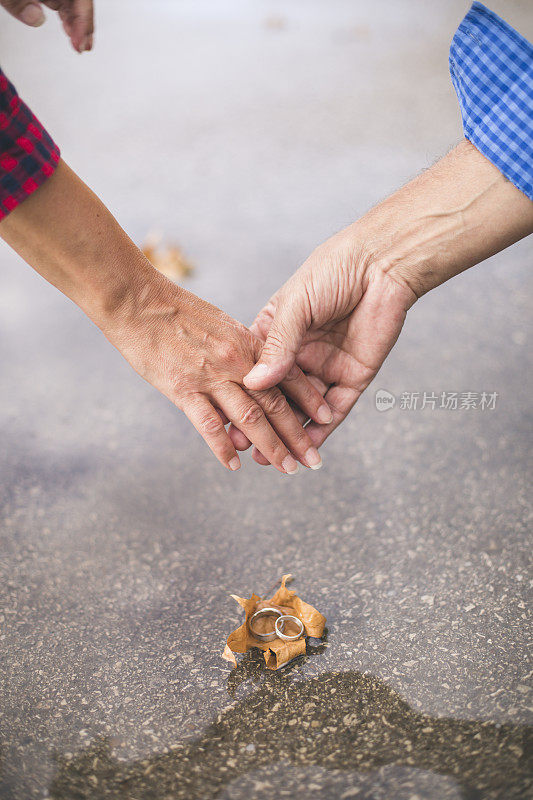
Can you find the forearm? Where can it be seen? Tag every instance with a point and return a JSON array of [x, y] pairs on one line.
[[67, 235], [189, 350], [454, 215]]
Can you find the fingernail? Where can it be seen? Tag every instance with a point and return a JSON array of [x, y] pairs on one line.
[[259, 371], [312, 458], [324, 415], [234, 463], [290, 465], [32, 15], [87, 42]]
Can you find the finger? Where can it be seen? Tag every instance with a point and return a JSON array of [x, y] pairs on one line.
[[282, 418], [258, 456], [341, 400], [209, 425], [302, 391], [291, 319], [29, 12], [77, 17], [248, 416], [240, 441], [302, 418]]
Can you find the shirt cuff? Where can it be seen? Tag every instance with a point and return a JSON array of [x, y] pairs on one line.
[[28, 155], [491, 66]]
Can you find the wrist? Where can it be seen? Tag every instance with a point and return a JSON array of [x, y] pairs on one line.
[[445, 221], [409, 237], [413, 250], [111, 284]]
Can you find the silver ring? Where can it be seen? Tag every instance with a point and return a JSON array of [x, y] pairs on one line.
[[285, 618], [271, 635]]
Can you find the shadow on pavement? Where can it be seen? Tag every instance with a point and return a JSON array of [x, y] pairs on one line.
[[337, 721]]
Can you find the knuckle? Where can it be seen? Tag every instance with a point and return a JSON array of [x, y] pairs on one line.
[[211, 425], [252, 415], [294, 373], [277, 450], [228, 352], [300, 437], [275, 404], [335, 408], [235, 357]]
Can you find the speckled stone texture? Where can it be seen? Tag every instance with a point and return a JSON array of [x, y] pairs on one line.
[[250, 132]]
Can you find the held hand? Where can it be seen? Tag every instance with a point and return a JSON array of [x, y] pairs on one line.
[[337, 317], [196, 356], [76, 15], [340, 314], [191, 351]]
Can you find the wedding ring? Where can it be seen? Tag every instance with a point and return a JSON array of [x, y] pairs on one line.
[[271, 635], [279, 624]]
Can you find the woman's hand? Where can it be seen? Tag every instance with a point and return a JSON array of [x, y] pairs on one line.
[[197, 356], [191, 351], [77, 17]]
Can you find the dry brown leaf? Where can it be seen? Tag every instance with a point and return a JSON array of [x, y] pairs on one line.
[[277, 653], [168, 259], [275, 22]]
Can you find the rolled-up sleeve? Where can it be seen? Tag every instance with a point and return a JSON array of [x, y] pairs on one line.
[[491, 67], [28, 155]]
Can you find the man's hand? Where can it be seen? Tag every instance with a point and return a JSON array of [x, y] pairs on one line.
[[342, 311], [338, 318], [77, 17]]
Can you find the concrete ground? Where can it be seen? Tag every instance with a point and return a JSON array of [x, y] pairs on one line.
[[250, 131]]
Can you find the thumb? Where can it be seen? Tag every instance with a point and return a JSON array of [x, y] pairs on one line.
[[288, 328], [27, 11]]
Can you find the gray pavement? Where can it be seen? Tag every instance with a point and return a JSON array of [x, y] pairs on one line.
[[250, 132]]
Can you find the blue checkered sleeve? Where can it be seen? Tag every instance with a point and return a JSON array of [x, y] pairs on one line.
[[491, 66]]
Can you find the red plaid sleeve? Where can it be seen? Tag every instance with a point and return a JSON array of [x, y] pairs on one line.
[[28, 156]]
